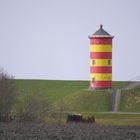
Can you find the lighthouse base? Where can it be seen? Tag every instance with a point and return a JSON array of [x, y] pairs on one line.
[[100, 85], [100, 88]]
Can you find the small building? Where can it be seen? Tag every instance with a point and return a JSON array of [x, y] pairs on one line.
[[100, 59]]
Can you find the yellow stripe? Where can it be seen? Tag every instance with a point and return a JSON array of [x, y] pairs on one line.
[[101, 77], [100, 62], [100, 48]]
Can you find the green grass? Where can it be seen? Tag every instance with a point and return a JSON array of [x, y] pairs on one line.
[[87, 101], [75, 94], [130, 100], [114, 118], [120, 84], [53, 89], [74, 97], [105, 118], [56, 89], [117, 119]]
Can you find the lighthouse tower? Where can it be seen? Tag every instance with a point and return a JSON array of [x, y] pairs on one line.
[[100, 59]]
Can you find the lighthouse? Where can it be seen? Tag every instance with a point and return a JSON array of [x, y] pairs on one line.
[[100, 59]]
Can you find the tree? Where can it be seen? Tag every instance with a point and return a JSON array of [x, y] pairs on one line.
[[7, 94]]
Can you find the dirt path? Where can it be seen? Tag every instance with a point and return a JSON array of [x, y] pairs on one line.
[[117, 100], [32, 131]]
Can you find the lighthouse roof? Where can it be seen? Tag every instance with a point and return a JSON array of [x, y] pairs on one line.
[[101, 33]]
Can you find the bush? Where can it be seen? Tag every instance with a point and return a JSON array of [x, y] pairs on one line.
[[7, 94], [31, 106]]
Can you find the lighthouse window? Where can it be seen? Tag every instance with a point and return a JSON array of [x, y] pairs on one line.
[[109, 62], [93, 62], [93, 79]]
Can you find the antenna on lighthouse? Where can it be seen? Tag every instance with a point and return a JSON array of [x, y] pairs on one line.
[[101, 26]]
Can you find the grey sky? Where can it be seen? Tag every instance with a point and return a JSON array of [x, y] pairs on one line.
[[48, 39]]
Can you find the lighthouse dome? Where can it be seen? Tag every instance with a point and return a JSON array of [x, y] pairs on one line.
[[101, 33]]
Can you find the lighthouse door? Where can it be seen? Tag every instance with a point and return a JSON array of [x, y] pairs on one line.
[[93, 83]]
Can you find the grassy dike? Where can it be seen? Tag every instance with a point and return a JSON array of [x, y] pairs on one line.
[[74, 97], [130, 100]]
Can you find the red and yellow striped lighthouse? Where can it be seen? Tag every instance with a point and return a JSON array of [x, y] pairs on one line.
[[100, 59]]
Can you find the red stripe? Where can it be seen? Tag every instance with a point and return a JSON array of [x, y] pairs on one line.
[[100, 69], [100, 55], [102, 84], [100, 40]]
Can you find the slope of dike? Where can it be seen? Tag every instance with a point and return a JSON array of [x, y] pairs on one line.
[[75, 96], [130, 100]]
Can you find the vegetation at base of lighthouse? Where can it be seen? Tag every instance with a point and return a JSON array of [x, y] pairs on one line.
[[71, 97]]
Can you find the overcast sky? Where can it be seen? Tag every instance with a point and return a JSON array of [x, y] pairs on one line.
[[48, 39]]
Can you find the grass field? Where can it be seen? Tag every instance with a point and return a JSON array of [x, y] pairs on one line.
[[73, 94], [74, 97], [105, 118], [117, 119], [86, 101], [130, 100], [53, 89]]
